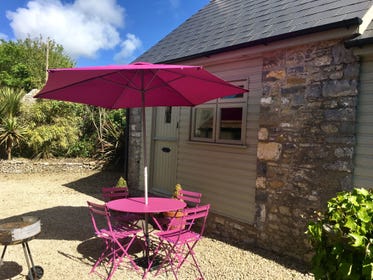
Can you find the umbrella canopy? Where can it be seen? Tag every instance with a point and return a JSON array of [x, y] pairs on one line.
[[136, 85]]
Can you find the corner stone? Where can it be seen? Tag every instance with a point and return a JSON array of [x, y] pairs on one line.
[[269, 151]]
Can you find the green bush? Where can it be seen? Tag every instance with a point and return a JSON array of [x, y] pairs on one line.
[[342, 237]]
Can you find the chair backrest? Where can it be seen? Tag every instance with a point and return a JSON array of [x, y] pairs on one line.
[[100, 216], [111, 193], [191, 216], [191, 198]]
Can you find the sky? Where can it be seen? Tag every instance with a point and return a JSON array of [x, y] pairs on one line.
[[96, 32]]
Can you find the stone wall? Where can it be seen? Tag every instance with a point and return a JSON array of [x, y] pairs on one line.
[[306, 139], [134, 153], [50, 165]]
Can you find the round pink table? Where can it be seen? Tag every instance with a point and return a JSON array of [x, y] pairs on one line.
[[137, 205]]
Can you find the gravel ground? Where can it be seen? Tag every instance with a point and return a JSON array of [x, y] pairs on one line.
[[66, 247]]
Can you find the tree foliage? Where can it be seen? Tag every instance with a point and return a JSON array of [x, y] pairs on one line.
[[47, 128], [23, 63], [53, 127]]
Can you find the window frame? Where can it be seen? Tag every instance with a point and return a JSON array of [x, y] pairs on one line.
[[204, 139], [218, 104]]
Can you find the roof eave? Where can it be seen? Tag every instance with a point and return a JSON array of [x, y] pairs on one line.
[[359, 42]]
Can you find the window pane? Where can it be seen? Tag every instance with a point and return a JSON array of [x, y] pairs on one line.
[[230, 123], [167, 114], [203, 122]]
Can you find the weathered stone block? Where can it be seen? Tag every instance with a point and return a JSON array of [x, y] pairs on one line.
[[336, 88], [219, 220], [295, 71], [341, 115], [329, 128], [275, 75], [339, 166], [263, 134], [261, 168], [266, 101], [276, 184], [269, 151], [322, 60], [293, 90], [261, 196], [295, 81], [313, 91], [343, 152], [261, 183], [336, 75], [342, 55], [351, 71]]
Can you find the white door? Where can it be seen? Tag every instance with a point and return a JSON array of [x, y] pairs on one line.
[[164, 163]]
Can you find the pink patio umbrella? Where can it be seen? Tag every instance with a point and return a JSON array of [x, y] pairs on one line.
[[136, 85]]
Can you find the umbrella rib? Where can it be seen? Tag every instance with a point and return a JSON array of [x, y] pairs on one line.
[[122, 85], [129, 81]]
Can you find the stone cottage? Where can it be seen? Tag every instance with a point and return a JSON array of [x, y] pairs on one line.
[[268, 159]]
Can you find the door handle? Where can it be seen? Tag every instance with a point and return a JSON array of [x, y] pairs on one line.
[[166, 149]]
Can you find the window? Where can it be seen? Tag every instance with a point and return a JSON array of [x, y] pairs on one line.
[[222, 120], [167, 114]]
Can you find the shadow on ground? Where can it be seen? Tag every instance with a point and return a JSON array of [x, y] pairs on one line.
[[61, 222], [9, 269], [92, 184]]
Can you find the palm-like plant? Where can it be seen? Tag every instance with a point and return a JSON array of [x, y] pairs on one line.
[[10, 101], [11, 133]]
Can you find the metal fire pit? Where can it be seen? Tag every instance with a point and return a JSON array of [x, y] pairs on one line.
[[20, 232]]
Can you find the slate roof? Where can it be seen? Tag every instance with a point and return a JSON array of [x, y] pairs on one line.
[[229, 24]]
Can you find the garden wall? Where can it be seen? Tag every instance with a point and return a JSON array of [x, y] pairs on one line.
[[50, 165]]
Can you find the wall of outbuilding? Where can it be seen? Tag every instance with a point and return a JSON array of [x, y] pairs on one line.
[[305, 148]]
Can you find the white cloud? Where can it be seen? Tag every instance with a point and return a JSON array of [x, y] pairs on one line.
[[129, 46], [82, 28]]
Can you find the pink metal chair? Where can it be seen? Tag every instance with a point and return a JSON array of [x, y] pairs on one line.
[[118, 239], [192, 199], [176, 245], [111, 193]]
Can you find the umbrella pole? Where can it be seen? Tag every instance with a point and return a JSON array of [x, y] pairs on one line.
[[147, 240], [144, 149]]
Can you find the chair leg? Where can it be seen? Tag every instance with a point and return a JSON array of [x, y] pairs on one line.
[[101, 257], [170, 255], [115, 253], [191, 252]]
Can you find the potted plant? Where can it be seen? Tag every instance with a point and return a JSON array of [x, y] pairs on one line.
[[122, 183], [178, 214]]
